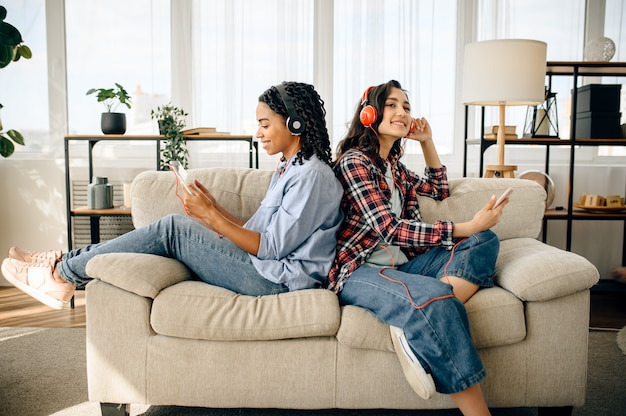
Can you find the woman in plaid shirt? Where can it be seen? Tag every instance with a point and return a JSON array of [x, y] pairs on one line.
[[414, 276]]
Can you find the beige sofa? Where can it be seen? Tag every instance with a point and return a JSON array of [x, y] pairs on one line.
[[157, 336]]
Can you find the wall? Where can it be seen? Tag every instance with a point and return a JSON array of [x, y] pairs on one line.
[[32, 214]]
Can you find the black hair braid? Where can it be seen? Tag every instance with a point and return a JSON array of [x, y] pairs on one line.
[[310, 106], [365, 138]]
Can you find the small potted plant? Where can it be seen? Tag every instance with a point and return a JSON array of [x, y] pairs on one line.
[[112, 122], [171, 121]]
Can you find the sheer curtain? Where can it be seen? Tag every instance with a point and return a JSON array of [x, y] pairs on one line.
[[239, 49], [412, 42]]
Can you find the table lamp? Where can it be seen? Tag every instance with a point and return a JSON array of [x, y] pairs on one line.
[[504, 72]]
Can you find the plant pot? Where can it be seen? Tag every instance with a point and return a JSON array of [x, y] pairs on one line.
[[113, 123]]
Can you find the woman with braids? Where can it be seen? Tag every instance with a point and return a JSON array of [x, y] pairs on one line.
[[412, 275], [288, 244]]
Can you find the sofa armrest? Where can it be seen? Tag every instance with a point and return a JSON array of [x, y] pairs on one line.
[[534, 271], [143, 274]]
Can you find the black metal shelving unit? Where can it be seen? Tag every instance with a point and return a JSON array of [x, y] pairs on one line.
[[570, 213]]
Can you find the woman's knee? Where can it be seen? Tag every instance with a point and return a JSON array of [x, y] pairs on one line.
[[485, 242]]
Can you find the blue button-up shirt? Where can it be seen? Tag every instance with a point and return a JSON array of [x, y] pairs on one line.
[[298, 220]]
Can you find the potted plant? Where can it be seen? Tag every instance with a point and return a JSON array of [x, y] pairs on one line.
[[112, 122], [12, 48], [171, 121]]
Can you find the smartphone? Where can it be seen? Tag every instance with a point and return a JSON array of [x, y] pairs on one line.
[[504, 195], [181, 175]]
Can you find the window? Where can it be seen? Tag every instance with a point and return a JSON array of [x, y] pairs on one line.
[[238, 48], [107, 46], [24, 84]]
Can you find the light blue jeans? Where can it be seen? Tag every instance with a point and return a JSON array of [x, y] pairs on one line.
[[437, 332], [215, 260]]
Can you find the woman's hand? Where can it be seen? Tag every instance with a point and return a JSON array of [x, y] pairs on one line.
[[200, 203], [483, 220], [203, 206], [420, 130]]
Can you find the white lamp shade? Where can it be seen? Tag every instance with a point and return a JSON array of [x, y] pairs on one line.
[[504, 71]]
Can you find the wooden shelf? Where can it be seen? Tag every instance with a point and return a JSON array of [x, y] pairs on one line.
[[579, 214], [586, 68], [93, 139], [540, 141], [115, 211]]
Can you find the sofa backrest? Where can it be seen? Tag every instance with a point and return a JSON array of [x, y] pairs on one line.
[[522, 217], [240, 191]]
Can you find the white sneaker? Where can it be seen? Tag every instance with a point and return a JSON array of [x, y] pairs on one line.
[[35, 256], [35, 279], [419, 380]]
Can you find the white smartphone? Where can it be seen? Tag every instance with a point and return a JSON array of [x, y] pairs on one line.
[[181, 175], [504, 195]]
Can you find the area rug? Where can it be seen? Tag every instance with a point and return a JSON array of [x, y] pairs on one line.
[[621, 340], [42, 373]]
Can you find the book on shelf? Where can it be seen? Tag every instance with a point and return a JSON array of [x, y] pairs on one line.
[[494, 130], [493, 136], [200, 130]]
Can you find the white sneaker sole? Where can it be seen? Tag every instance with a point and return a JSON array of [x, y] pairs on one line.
[[40, 296], [420, 381]]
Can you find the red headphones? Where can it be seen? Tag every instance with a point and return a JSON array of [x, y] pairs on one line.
[[368, 115]]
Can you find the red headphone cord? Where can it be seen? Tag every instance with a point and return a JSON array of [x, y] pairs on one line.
[[408, 292]]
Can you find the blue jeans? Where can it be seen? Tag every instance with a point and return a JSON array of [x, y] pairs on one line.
[[215, 260], [437, 331]]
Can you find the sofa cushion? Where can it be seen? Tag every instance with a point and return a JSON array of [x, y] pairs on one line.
[[197, 310], [496, 318]]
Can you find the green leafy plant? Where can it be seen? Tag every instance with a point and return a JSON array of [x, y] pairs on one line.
[[12, 48], [171, 121], [7, 138], [112, 97]]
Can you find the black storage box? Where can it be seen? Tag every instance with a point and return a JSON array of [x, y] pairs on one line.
[[598, 125], [599, 98]]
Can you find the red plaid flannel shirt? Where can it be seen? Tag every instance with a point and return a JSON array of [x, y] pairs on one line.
[[368, 220]]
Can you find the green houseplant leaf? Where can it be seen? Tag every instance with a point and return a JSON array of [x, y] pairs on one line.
[[112, 97]]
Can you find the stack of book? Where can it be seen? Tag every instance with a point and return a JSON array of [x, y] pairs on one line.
[[203, 131], [492, 132]]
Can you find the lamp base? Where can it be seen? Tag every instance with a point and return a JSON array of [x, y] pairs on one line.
[[500, 171]]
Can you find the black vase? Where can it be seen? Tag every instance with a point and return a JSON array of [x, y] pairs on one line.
[[113, 123]]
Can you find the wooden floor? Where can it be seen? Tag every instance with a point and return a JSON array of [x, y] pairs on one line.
[[608, 310], [19, 309]]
